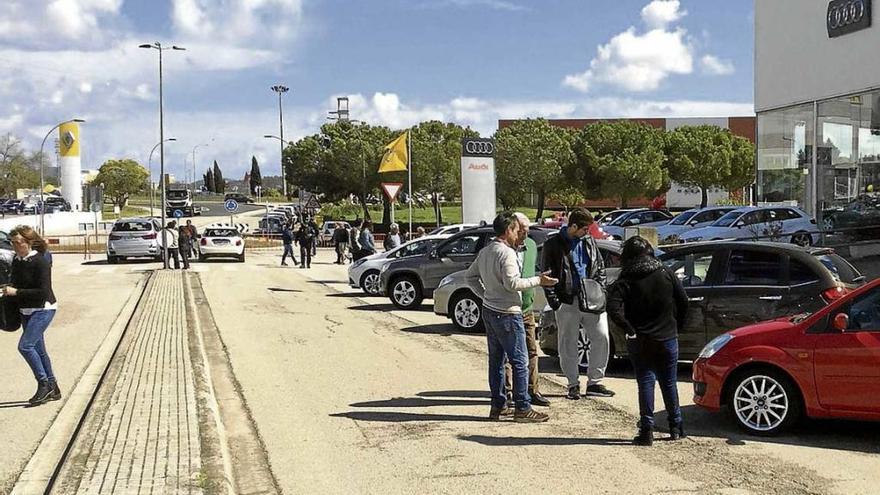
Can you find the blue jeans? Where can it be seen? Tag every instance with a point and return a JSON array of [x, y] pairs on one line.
[[506, 335], [656, 362], [32, 345]]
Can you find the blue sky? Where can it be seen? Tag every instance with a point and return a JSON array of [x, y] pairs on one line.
[[468, 61]]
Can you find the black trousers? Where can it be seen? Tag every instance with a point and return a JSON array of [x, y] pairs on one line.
[[305, 252], [173, 253], [185, 250]]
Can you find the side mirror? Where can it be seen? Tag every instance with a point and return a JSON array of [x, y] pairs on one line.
[[433, 254], [840, 322], [738, 225], [693, 223]]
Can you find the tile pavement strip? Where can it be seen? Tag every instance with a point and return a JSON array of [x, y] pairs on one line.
[[146, 439]]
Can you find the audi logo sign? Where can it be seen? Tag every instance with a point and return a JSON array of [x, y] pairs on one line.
[[477, 147], [847, 16]]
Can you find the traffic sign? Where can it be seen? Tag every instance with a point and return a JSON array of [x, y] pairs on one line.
[[95, 206], [178, 213], [392, 189], [231, 205], [313, 203]]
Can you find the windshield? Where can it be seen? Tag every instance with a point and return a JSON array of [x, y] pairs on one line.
[[436, 231], [683, 218], [840, 269], [178, 194], [132, 227], [727, 220], [622, 218]]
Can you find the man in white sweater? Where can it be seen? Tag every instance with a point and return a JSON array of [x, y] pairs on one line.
[[495, 278]]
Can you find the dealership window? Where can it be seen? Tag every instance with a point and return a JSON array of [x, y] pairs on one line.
[[785, 156]]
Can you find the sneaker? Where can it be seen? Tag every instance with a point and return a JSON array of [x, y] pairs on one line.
[[495, 413], [539, 400], [574, 393], [530, 416], [598, 390]]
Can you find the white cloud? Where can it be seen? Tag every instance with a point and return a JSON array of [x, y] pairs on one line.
[[714, 66], [58, 22], [492, 4], [245, 22], [661, 13]]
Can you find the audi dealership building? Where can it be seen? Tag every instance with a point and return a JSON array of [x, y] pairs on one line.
[[817, 100]]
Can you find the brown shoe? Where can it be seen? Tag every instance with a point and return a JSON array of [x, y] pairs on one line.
[[495, 413], [530, 416]]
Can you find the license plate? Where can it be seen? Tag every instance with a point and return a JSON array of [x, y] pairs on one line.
[[221, 241]]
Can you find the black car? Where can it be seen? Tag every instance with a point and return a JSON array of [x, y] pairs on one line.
[[241, 198], [13, 206], [862, 215]]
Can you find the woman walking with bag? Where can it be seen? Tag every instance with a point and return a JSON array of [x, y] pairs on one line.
[[31, 289], [649, 303]]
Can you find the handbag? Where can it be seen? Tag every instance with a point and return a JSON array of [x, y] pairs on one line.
[[10, 316], [591, 295]]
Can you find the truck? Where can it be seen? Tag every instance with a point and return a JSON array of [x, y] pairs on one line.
[[178, 197]]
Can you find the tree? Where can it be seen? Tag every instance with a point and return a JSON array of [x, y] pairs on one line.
[[625, 158], [209, 181], [708, 156], [121, 179], [532, 156], [256, 179], [219, 183], [18, 170], [436, 149]]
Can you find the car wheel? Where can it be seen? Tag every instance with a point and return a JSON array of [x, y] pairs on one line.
[[202, 257], [802, 239], [406, 292], [112, 259], [370, 283], [241, 257], [828, 223], [764, 402], [467, 315], [583, 351]]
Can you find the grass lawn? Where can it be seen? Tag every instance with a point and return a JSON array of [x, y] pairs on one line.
[[127, 211]]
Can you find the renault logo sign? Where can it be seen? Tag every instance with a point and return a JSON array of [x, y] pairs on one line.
[[847, 16], [477, 147]]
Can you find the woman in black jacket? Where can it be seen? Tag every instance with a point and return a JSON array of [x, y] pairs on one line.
[[649, 303], [31, 288]]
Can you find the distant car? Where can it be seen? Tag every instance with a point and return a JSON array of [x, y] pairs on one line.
[[13, 206], [862, 214], [327, 229], [221, 241], [606, 218], [364, 273], [30, 209], [452, 229], [691, 219], [134, 238], [271, 225], [636, 218], [5, 241], [241, 198], [595, 229], [768, 223], [821, 364]]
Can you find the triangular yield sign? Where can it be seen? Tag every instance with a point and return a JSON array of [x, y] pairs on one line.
[[392, 189]]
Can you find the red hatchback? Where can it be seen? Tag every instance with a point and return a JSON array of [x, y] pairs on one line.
[[822, 365]]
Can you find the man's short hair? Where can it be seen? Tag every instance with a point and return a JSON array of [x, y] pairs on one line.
[[504, 221], [580, 218]]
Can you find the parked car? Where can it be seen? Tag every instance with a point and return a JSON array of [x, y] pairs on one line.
[[863, 213], [691, 219], [820, 364], [5, 241], [559, 220], [30, 209], [241, 198], [769, 223], [364, 273], [408, 281], [13, 206], [606, 218], [271, 224], [221, 241], [134, 238], [327, 229], [56, 204], [452, 229], [636, 218]]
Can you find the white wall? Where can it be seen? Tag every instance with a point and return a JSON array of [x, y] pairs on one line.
[[796, 61], [63, 223]]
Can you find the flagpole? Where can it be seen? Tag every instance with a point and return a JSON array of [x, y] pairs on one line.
[[409, 172]]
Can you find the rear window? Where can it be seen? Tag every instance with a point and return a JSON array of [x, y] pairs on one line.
[[132, 227], [221, 233], [840, 269], [746, 267]]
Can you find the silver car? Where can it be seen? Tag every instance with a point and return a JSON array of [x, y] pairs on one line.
[[134, 238]]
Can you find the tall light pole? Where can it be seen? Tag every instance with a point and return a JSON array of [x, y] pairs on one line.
[[194, 166], [283, 144], [158, 46], [42, 183], [281, 90], [150, 163]]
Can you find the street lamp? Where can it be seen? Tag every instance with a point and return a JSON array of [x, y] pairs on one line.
[[281, 90], [158, 46], [42, 184], [283, 144], [194, 166], [151, 172]]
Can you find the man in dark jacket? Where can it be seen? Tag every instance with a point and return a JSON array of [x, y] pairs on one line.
[[287, 241], [571, 257], [340, 242]]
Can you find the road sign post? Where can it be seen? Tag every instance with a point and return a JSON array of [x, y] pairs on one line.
[[231, 206], [392, 189]]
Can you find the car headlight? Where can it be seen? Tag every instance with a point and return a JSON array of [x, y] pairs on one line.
[[715, 345], [446, 281]]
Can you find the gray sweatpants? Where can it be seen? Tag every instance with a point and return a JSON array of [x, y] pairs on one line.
[[569, 319]]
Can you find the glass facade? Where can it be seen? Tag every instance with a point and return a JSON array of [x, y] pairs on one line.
[[842, 191]]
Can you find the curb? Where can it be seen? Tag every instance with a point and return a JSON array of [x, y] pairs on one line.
[[44, 465]]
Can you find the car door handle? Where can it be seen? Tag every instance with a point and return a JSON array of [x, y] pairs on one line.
[[770, 298], [696, 299]]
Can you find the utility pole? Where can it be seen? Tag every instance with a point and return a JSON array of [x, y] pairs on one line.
[[280, 89]]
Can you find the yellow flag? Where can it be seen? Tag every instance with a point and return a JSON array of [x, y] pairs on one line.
[[395, 157]]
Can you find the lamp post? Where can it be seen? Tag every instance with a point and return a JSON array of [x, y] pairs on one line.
[[194, 166], [158, 46], [283, 144], [280, 89], [150, 163], [42, 183]]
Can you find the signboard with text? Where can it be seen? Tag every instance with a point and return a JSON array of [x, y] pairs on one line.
[[477, 180]]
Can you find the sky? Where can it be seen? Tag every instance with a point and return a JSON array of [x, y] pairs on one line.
[[400, 62]]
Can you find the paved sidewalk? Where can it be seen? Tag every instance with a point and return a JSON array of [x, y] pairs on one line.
[[147, 440]]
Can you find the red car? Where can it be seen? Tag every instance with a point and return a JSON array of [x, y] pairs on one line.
[[822, 365], [558, 221]]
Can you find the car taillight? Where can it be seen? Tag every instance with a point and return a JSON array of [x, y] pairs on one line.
[[114, 237], [204, 241], [238, 242], [833, 294], [150, 236]]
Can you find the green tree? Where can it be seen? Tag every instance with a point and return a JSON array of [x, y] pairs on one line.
[[121, 179], [532, 156], [219, 183], [708, 156], [209, 180], [436, 150], [620, 159], [256, 179], [18, 170]]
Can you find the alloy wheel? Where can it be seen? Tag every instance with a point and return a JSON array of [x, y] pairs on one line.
[[371, 283], [467, 313], [761, 403], [404, 293]]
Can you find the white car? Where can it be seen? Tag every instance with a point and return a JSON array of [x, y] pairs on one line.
[[452, 229], [221, 240], [134, 238], [364, 273], [327, 229]]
